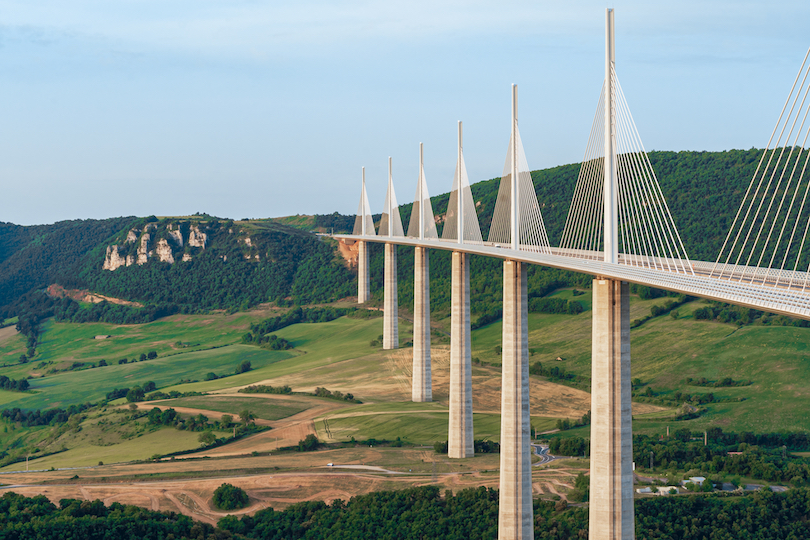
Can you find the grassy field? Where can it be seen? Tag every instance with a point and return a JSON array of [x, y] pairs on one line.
[[274, 409], [338, 355], [73, 387], [138, 448], [412, 424]]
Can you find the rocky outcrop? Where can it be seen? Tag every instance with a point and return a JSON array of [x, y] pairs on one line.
[[165, 242], [113, 260], [248, 241], [196, 238], [143, 249], [164, 251], [175, 235]]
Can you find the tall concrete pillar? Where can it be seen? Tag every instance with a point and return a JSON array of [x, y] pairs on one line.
[[611, 493], [460, 433], [363, 282], [422, 389], [515, 515], [390, 303]]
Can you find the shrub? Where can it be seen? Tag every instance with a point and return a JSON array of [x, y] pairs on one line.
[[309, 443], [229, 497]]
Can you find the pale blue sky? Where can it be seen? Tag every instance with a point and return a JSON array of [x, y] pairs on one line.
[[256, 109]]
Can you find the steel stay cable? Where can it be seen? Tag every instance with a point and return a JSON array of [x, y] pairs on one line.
[[753, 178]]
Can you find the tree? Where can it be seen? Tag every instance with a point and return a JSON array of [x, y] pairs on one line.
[[23, 359], [151, 355], [142, 358], [308, 444], [247, 416], [102, 363], [230, 497], [244, 367], [207, 438], [135, 394], [150, 386], [226, 420]]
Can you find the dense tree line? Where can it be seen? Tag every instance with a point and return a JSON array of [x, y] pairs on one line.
[[743, 454], [559, 374], [725, 382], [415, 513], [265, 389], [29, 518], [568, 446], [741, 316], [43, 417], [294, 316], [14, 385]]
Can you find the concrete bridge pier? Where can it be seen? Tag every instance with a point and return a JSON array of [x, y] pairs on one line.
[[422, 389], [390, 301], [363, 281], [460, 433], [611, 515], [515, 515]]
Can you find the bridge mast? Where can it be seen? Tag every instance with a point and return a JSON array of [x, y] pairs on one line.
[[611, 515], [515, 209], [611, 246], [515, 512], [422, 383], [460, 429], [363, 279], [390, 301]]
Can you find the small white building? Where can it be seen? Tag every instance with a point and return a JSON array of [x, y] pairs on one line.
[[644, 490], [697, 480], [666, 490]]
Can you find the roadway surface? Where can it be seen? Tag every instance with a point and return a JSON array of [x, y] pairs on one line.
[[778, 292]]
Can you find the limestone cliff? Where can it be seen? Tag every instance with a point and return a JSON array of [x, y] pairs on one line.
[[164, 251], [113, 260], [196, 238], [143, 249]]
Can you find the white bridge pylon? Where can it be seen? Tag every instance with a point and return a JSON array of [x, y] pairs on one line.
[[524, 215], [646, 233]]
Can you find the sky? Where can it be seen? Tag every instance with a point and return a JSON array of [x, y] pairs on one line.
[[248, 109]]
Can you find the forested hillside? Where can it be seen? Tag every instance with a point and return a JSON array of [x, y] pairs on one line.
[[34, 257]]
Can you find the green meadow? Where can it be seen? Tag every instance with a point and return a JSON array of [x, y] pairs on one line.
[[339, 355]]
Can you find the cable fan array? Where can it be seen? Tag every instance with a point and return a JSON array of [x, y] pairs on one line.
[[647, 234], [421, 203], [391, 205], [469, 217], [771, 225], [532, 231], [363, 213]]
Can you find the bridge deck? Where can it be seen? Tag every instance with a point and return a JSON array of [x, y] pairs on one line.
[[777, 292]]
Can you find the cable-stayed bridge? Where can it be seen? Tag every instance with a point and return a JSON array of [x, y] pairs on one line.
[[620, 230]]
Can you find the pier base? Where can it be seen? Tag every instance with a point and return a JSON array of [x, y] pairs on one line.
[[460, 433], [515, 515], [390, 301], [422, 386], [611, 493], [363, 281]]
